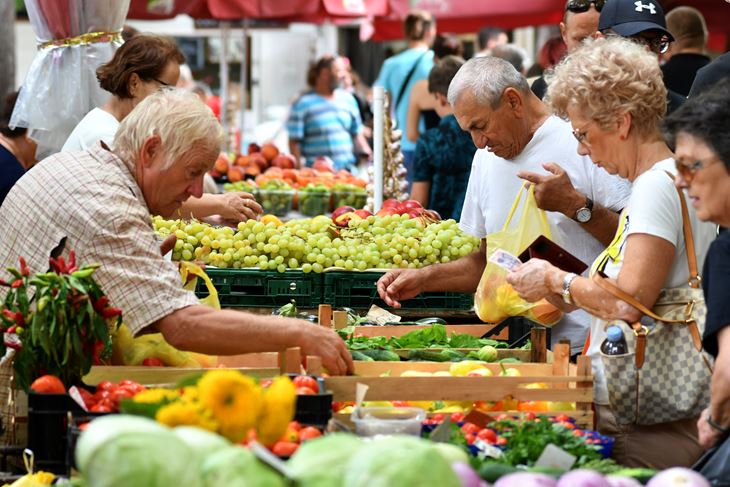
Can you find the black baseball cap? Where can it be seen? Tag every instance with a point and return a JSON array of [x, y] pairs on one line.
[[630, 17]]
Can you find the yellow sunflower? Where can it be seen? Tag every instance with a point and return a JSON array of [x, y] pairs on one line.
[[185, 414], [233, 399]]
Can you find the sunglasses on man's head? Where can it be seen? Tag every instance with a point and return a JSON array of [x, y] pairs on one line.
[[578, 6]]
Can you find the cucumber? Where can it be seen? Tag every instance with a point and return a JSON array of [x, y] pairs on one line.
[[552, 472], [381, 355], [453, 355], [641, 475], [357, 355], [491, 472], [425, 355]]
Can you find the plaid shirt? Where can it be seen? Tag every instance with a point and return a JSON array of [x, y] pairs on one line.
[[92, 200]]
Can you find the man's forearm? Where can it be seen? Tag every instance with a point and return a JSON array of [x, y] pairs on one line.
[[295, 150], [226, 332], [602, 225], [461, 275]]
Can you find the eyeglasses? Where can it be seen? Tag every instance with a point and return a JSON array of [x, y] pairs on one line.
[[659, 45], [581, 137], [579, 6], [688, 170]]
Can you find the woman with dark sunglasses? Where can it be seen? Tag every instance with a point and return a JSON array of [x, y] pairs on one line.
[[612, 91], [700, 133]]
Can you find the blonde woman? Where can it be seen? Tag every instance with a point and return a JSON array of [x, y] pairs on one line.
[[612, 92]]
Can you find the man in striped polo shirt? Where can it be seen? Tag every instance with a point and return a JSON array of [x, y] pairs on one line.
[[326, 120]]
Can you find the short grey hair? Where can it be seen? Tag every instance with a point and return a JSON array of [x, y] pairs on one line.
[[486, 78], [178, 117]]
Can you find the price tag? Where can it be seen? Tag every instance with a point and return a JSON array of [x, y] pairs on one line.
[[555, 457], [487, 450], [378, 315]]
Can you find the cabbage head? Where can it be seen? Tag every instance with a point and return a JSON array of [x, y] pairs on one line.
[[237, 467], [135, 451], [399, 460], [321, 462]]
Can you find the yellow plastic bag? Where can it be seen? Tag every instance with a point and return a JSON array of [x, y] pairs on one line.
[[128, 350], [495, 299]]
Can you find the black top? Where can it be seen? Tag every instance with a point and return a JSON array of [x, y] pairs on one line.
[[716, 284], [674, 100], [539, 87], [711, 74], [10, 171], [680, 70], [431, 119]]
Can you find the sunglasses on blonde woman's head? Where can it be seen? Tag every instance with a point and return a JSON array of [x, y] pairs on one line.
[[579, 6], [688, 169]]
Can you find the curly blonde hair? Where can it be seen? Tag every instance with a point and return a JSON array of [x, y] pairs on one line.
[[608, 78]]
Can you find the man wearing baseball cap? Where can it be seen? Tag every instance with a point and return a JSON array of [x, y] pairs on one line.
[[643, 21]]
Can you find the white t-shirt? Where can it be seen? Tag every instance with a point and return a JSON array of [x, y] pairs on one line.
[[95, 126], [653, 209], [493, 186]]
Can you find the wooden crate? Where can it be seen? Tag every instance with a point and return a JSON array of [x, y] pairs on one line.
[[566, 383]]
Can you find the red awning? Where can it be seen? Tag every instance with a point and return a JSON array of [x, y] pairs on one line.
[[468, 16], [288, 10]]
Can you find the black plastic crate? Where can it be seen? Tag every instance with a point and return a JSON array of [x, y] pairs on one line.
[[358, 290], [255, 288]]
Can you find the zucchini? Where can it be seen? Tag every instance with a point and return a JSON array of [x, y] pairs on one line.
[[381, 355], [428, 356], [491, 472], [357, 355], [641, 475]]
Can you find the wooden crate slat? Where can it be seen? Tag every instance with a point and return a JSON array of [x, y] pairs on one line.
[[159, 375]]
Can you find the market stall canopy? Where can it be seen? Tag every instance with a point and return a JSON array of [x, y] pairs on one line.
[[74, 37], [468, 16], [287, 10]]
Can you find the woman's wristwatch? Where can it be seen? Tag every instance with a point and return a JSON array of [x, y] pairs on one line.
[[567, 280]]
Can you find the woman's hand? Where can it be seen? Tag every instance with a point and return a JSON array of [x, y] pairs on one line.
[[532, 280]]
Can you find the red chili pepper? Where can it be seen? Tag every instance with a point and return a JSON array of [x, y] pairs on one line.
[[101, 303], [16, 283], [19, 319], [9, 314], [4, 283], [71, 260], [73, 269], [24, 270], [62, 268], [110, 312], [12, 329], [98, 350]]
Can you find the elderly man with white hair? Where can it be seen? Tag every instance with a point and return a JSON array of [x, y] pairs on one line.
[[99, 204], [518, 139]]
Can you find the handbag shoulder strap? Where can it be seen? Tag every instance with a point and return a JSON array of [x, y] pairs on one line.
[[402, 90], [694, 279]]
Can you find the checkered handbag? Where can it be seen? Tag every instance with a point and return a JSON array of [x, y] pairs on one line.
[[665, 376]]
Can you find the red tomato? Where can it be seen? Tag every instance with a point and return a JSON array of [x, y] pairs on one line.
[[104, 385], [266, 383], [100, 408], [306, 381], [567, 424], [48, 384], [84, 426], [487, 435], [457, 417], [502, 417], [577, 432], [438, 417], [501, 441], [562, 417], [87, 397], [470, 438], [284, 448], [294, 425], [470, 428], [117, 395], [308, 433], [529, 416], [305, 391]]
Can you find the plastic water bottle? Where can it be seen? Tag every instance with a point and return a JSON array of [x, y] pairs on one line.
[[615, 342]]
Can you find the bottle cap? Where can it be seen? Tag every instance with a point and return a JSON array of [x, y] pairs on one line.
[[614, 333]]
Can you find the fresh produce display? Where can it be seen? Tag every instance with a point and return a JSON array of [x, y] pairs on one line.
[[315, 244], [381, 348], [247, 186], [314, 200], [275, 196], [57, 322], [223, 401], [348, 195], [301, 178]]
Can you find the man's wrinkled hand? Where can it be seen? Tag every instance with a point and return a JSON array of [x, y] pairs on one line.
[[554, 191], [238, 206]]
